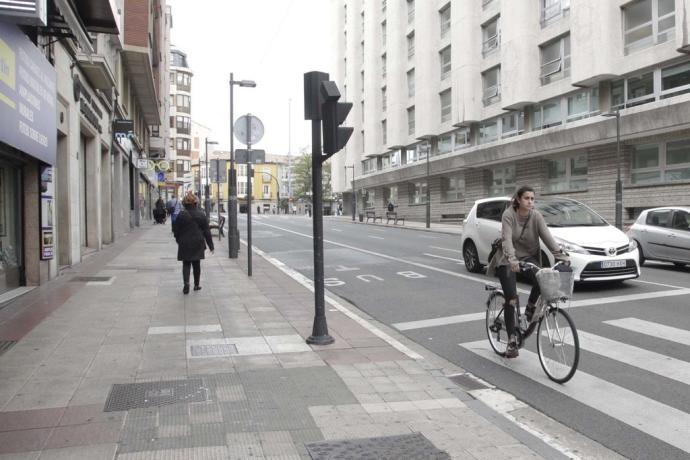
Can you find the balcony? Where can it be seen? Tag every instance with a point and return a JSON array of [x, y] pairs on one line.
[[97, 71]]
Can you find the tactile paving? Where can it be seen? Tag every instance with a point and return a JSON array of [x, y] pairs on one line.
[[149, 394], [86, 279], [221, 349], [403, 447]]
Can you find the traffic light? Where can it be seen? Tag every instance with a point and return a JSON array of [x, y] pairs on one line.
[[333, 114]]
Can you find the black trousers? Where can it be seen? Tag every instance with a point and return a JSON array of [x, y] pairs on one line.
[[509, 286], [196, 264]]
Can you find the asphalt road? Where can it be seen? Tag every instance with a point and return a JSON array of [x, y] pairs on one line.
[[631, 391]]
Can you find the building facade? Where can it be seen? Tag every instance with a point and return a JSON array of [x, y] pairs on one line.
[[457, 100], [181, 121]]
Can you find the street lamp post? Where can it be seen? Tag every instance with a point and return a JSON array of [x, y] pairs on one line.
[[619, 184], [428, 188], [207, 201], [354, 194], [233, 233]]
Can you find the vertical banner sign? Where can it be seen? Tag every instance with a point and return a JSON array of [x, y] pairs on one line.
[[47, 203]]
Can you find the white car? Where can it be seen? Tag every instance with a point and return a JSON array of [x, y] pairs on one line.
[[598, 251]]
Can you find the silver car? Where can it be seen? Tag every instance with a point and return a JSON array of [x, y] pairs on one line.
[[663, 234]]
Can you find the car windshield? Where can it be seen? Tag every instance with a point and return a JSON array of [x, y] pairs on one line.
[[568, 213]]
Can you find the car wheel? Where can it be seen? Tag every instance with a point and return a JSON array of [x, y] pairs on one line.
[[639, 249], [679, 264], [469, 253]]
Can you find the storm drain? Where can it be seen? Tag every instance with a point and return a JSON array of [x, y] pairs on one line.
[[409, 447], [87, 279], [467, 382], [152, 394], [6, 345], [221, 349]]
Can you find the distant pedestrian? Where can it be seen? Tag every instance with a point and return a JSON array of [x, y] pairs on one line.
[[258, 209], [159, 211], [193, 235], [391, 206]]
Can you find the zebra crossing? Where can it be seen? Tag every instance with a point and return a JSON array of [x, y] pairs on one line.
[[662, 421]]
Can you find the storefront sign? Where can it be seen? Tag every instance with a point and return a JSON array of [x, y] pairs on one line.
[[27, 96], [142, 163], [47, 213]]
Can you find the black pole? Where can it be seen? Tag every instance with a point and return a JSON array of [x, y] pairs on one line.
[[619, 185], [250, 173], [233, 232], [428, 190], [220, 229], [319, 334], [206, 184]]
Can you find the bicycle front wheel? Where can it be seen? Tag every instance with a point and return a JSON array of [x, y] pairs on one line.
[[558, 345], [495, 323]]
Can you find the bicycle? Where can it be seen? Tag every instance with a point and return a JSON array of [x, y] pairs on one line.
[[558, 346]]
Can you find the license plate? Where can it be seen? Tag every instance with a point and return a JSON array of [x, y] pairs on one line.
[[613, 263]]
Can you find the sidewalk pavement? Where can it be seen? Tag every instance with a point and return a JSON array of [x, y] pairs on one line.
[[111, 360]]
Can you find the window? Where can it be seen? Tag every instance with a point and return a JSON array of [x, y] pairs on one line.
[[461, 139], [385, 161], [183, 79], [361, 17], [241, 188], [369, 166], [512, 124], [390, 195], [267, 191], [640, 89], [681, 220], [553, 10], [445, 62], [410, 83], [661, 163], [417, 192], [383, 6], [410, 11], [446, 106], [452, 188], [486, 3], [182, 101], [182, 144], [395, 160], [410, 46], [410, 121], [491, 80], [155, 131], [445, 144], [488, 131], [659, 218], [362, 50], [361, 106], [383, 66], [361, 75], [384, 134], [444, 16], [555, 60], [502, 181], [656, 84], [583, 104], [548, 114], [369, 198], [675, 80], [647, 23], [383, 33], [384, 99], [566, 174], [492, 210], [183, 123], [491, 37]]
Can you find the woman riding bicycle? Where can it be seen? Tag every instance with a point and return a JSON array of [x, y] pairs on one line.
[[522, 227]]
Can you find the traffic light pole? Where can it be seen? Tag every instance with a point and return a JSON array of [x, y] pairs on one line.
[[233, 232]]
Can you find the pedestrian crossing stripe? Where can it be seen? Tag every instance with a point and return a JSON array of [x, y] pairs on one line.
[[659, 420], [659, 331]]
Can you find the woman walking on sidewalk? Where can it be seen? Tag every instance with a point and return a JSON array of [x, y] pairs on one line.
[[192, 235]]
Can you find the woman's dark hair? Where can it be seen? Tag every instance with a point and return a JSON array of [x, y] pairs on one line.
[[521, 191]]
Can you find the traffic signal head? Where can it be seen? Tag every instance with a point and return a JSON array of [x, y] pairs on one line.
[[333, 115]]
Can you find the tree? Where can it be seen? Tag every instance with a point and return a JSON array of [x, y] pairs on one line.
[[302, 177]]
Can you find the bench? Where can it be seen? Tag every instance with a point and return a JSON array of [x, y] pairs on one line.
[[372, 215], [213, 224], [390, 215], [452, 217]]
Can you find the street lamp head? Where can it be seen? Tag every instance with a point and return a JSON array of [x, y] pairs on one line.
[[247, 83]]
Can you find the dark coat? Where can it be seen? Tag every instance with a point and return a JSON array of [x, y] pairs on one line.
[[191, 229]]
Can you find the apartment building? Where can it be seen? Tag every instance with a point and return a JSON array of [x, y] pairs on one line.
[[181, 121], [456, 100]]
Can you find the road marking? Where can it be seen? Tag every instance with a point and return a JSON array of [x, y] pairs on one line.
[[645, 414], [656, 363], [459, 261], [376, 237], [658, 284], [396, 259], [457, 319], [309, 284], [335, 230], [446, 249], [657, 330]]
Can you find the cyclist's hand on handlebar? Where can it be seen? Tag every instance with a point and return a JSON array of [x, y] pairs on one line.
[[515, 267]]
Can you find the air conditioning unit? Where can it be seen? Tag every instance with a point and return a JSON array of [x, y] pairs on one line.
[[25, 12]]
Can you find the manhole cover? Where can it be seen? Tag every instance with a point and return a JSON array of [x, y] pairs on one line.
[[221, 349], [6, 345], [86, 279], [141, 395], [409, 447], [467, 382]]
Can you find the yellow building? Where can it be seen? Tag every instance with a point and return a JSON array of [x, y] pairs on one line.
[[265, 186]]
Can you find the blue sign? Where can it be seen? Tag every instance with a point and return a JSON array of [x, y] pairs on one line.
[[27, 96], [161, 176]]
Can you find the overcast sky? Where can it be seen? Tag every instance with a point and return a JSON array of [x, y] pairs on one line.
[[273, 42]]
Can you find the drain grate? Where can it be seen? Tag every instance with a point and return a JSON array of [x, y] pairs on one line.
[[467, 382], [86, 279], [409, 446], [5, 345], [220, 349], [149, 394]]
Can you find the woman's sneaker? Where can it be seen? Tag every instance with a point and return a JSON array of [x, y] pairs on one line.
[[512, 350]]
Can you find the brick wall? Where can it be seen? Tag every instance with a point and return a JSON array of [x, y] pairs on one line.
[[137, 22]]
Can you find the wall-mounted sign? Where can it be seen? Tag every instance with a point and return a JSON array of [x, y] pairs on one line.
[[47, 213], [123, 126], [142, 163], [27, 96]]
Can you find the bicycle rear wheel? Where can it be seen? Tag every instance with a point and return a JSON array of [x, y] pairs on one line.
[[495, 323], [558, 345]]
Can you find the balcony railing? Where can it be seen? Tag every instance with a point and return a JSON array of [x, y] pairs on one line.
[[555, 11], [491, 44]]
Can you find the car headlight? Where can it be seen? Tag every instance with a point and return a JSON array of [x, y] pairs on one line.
[[632, 245], [571, 247]]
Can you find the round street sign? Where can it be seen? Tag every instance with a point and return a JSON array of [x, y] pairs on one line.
[[255, 126], [161, 176]]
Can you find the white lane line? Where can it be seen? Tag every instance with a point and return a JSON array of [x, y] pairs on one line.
[[446, 249], [460, 261], [656, 363], [645, 414], [376, 237], [335, 230], [657, 330], [456, 319], [443, 321], [396, 259], [309, 284], [658, 284]]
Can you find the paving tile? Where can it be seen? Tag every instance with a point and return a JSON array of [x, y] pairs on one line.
[[205, 452], [91, 413], [21, 456], [98, 451], [28, 419], [79, 435], [23, 440]]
